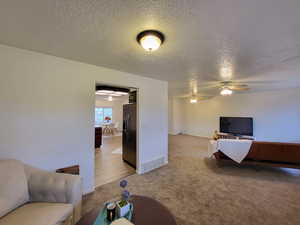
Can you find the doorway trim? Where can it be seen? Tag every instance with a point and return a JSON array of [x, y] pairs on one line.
[[137, 170]]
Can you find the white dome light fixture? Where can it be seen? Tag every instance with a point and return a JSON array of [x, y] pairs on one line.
[[150, 40], [110, 98], [193, 100], [226, 91]]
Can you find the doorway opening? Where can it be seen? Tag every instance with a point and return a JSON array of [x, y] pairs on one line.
[[115, 133]]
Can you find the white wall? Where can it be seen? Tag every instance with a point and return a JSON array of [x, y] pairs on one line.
[[170, 115], [175, 116], [117, 108], [276, 114], [47, 111]]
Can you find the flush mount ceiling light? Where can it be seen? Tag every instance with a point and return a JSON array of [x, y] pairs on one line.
[[150, 40], [111, 91], [226, 91]]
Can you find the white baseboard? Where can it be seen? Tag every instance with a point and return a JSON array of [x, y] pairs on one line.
[[151, 165], [88, 191]]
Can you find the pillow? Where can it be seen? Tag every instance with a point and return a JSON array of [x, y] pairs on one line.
[[13, 186]]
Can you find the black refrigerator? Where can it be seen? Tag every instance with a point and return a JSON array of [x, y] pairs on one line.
[[129, 134]]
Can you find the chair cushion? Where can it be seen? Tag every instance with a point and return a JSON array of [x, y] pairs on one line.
[[14, 187], [38, 214]]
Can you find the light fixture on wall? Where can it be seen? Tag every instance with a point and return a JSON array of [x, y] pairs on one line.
[[150, 40], [110, 98], [226, 91]]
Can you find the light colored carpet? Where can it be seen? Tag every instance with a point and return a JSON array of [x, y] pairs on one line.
[[198, 192]]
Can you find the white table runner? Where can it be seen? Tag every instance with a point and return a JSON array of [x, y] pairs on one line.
[[237, 150]]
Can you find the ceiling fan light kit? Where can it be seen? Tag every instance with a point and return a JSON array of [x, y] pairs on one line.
[[226, 91], [193, 100]]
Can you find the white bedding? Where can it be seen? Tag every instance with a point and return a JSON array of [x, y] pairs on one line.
[[237, 150]]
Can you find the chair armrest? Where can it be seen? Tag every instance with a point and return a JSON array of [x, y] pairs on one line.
[[47, 186]]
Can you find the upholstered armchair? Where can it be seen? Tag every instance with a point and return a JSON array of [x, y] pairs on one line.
[[30, 196]]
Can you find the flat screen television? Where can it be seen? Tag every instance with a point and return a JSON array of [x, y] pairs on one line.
[[237, 125]]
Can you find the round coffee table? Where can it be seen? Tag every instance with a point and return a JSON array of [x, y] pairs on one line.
[[146, 211]]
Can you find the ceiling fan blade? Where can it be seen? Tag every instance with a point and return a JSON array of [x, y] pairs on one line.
[[239, 87], [256, 81], [204, 97], [184, 96], [199, 97], [204, 86]]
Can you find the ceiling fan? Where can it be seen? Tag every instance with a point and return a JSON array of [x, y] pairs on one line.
[[225, 88], [228, 87]]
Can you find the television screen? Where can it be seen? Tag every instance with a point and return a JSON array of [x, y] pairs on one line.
[[237, 125]]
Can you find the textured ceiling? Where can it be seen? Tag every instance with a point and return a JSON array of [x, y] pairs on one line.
[[206, 40]]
